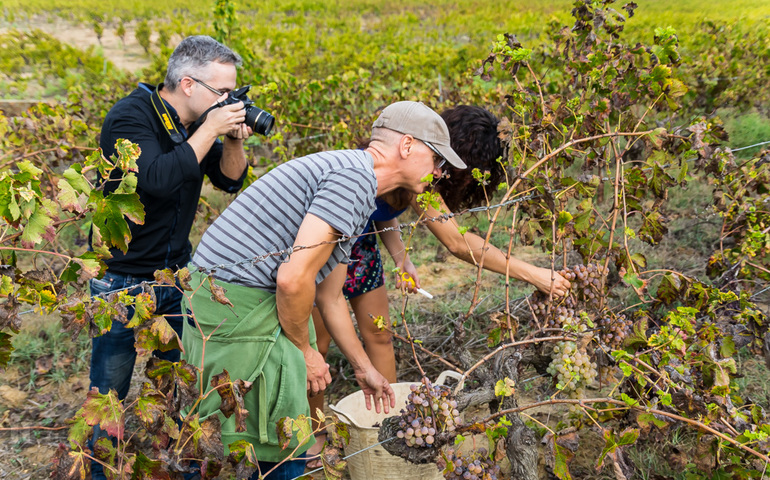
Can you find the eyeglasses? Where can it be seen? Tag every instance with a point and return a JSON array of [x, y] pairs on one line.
[[216, 92], [442, 160]]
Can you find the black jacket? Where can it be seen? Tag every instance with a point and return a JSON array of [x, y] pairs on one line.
[[169, 185]]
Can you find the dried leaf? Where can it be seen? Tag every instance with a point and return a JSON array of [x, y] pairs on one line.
[[218, 293]]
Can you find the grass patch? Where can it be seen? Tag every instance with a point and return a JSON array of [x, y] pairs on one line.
[[43, 352]]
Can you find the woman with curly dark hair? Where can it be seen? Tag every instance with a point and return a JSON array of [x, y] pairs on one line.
[[473, 136]]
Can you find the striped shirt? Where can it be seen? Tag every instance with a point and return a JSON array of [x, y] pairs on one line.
[[339, 187]]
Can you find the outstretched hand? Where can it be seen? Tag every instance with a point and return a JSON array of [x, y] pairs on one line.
[[542, 281], [376, 389]]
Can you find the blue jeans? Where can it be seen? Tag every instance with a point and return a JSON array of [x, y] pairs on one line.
[[113, 354], [289, 470]]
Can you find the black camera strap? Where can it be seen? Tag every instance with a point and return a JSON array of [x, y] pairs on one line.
[[202, 118], [165, 117]]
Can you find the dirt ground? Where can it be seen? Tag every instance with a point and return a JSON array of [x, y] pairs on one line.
[[129, 55]]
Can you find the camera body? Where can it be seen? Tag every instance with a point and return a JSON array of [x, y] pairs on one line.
[[259, 120]]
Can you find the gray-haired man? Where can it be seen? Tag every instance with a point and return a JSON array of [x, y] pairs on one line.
[[320, 200], [173, 161]]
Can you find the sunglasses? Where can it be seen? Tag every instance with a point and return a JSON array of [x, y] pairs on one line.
[[435, 150]]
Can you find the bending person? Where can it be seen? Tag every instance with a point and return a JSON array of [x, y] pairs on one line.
[[265, 336], [473, 134]]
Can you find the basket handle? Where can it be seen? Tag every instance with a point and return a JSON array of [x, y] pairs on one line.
[[342, 414], [449, 374]]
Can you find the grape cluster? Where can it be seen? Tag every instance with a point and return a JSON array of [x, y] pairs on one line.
[[613, 330], [585, 295], [457, 466], [572, 369], [429, 410]]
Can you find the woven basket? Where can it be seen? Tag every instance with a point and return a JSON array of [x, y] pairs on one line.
[[377, 463]]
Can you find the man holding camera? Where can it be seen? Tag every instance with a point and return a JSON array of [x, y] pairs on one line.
[[179, 145]]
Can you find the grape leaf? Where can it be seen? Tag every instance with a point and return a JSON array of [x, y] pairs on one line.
[[144, 307], [69, 465], [156, 334], [141, 467], [39, 225], [69, 199], [9, 315], [242, 458], [75, 317], [150, 408], [183, 275], [165, 277], [218, 293], [80, 431], [105, 411], [6, 348], [231, 394], [653, 229], [670, 288]]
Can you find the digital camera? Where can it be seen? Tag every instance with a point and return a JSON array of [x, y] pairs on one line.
[[259, 120]]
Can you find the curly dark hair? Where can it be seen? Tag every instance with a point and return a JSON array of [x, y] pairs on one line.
[[473, 134]]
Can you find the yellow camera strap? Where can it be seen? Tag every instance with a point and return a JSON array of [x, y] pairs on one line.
[[165, 117]]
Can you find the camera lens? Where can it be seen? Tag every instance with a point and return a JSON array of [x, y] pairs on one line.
[[260, 121]]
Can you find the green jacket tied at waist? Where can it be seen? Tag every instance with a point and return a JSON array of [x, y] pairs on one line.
[[249, 344]]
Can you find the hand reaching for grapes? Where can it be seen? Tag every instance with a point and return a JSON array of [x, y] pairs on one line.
[[376, 389], [542, 280]]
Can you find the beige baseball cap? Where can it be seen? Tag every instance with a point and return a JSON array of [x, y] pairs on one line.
[[418, 120]]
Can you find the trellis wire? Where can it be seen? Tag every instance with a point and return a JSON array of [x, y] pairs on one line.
[[286, 253], [345, 458]]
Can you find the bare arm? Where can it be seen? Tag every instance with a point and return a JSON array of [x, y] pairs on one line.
[[469, 248], [233, 161], [334, 310], [295, 293]]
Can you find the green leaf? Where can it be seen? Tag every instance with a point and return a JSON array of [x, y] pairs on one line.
[[38, 225], [80, 431], [628, 436], [144, 308], [243, 458], [143, 467], [76, 180], [645, 419], [561, 462], [69, 199], [150, 408], [109, 225], [657, 136], [727, 349], [495, 337], [638, 337], [633, 280], [639, 259], [157, 335], [504, 387], [91, 266], [629, 401], [563, 219]]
